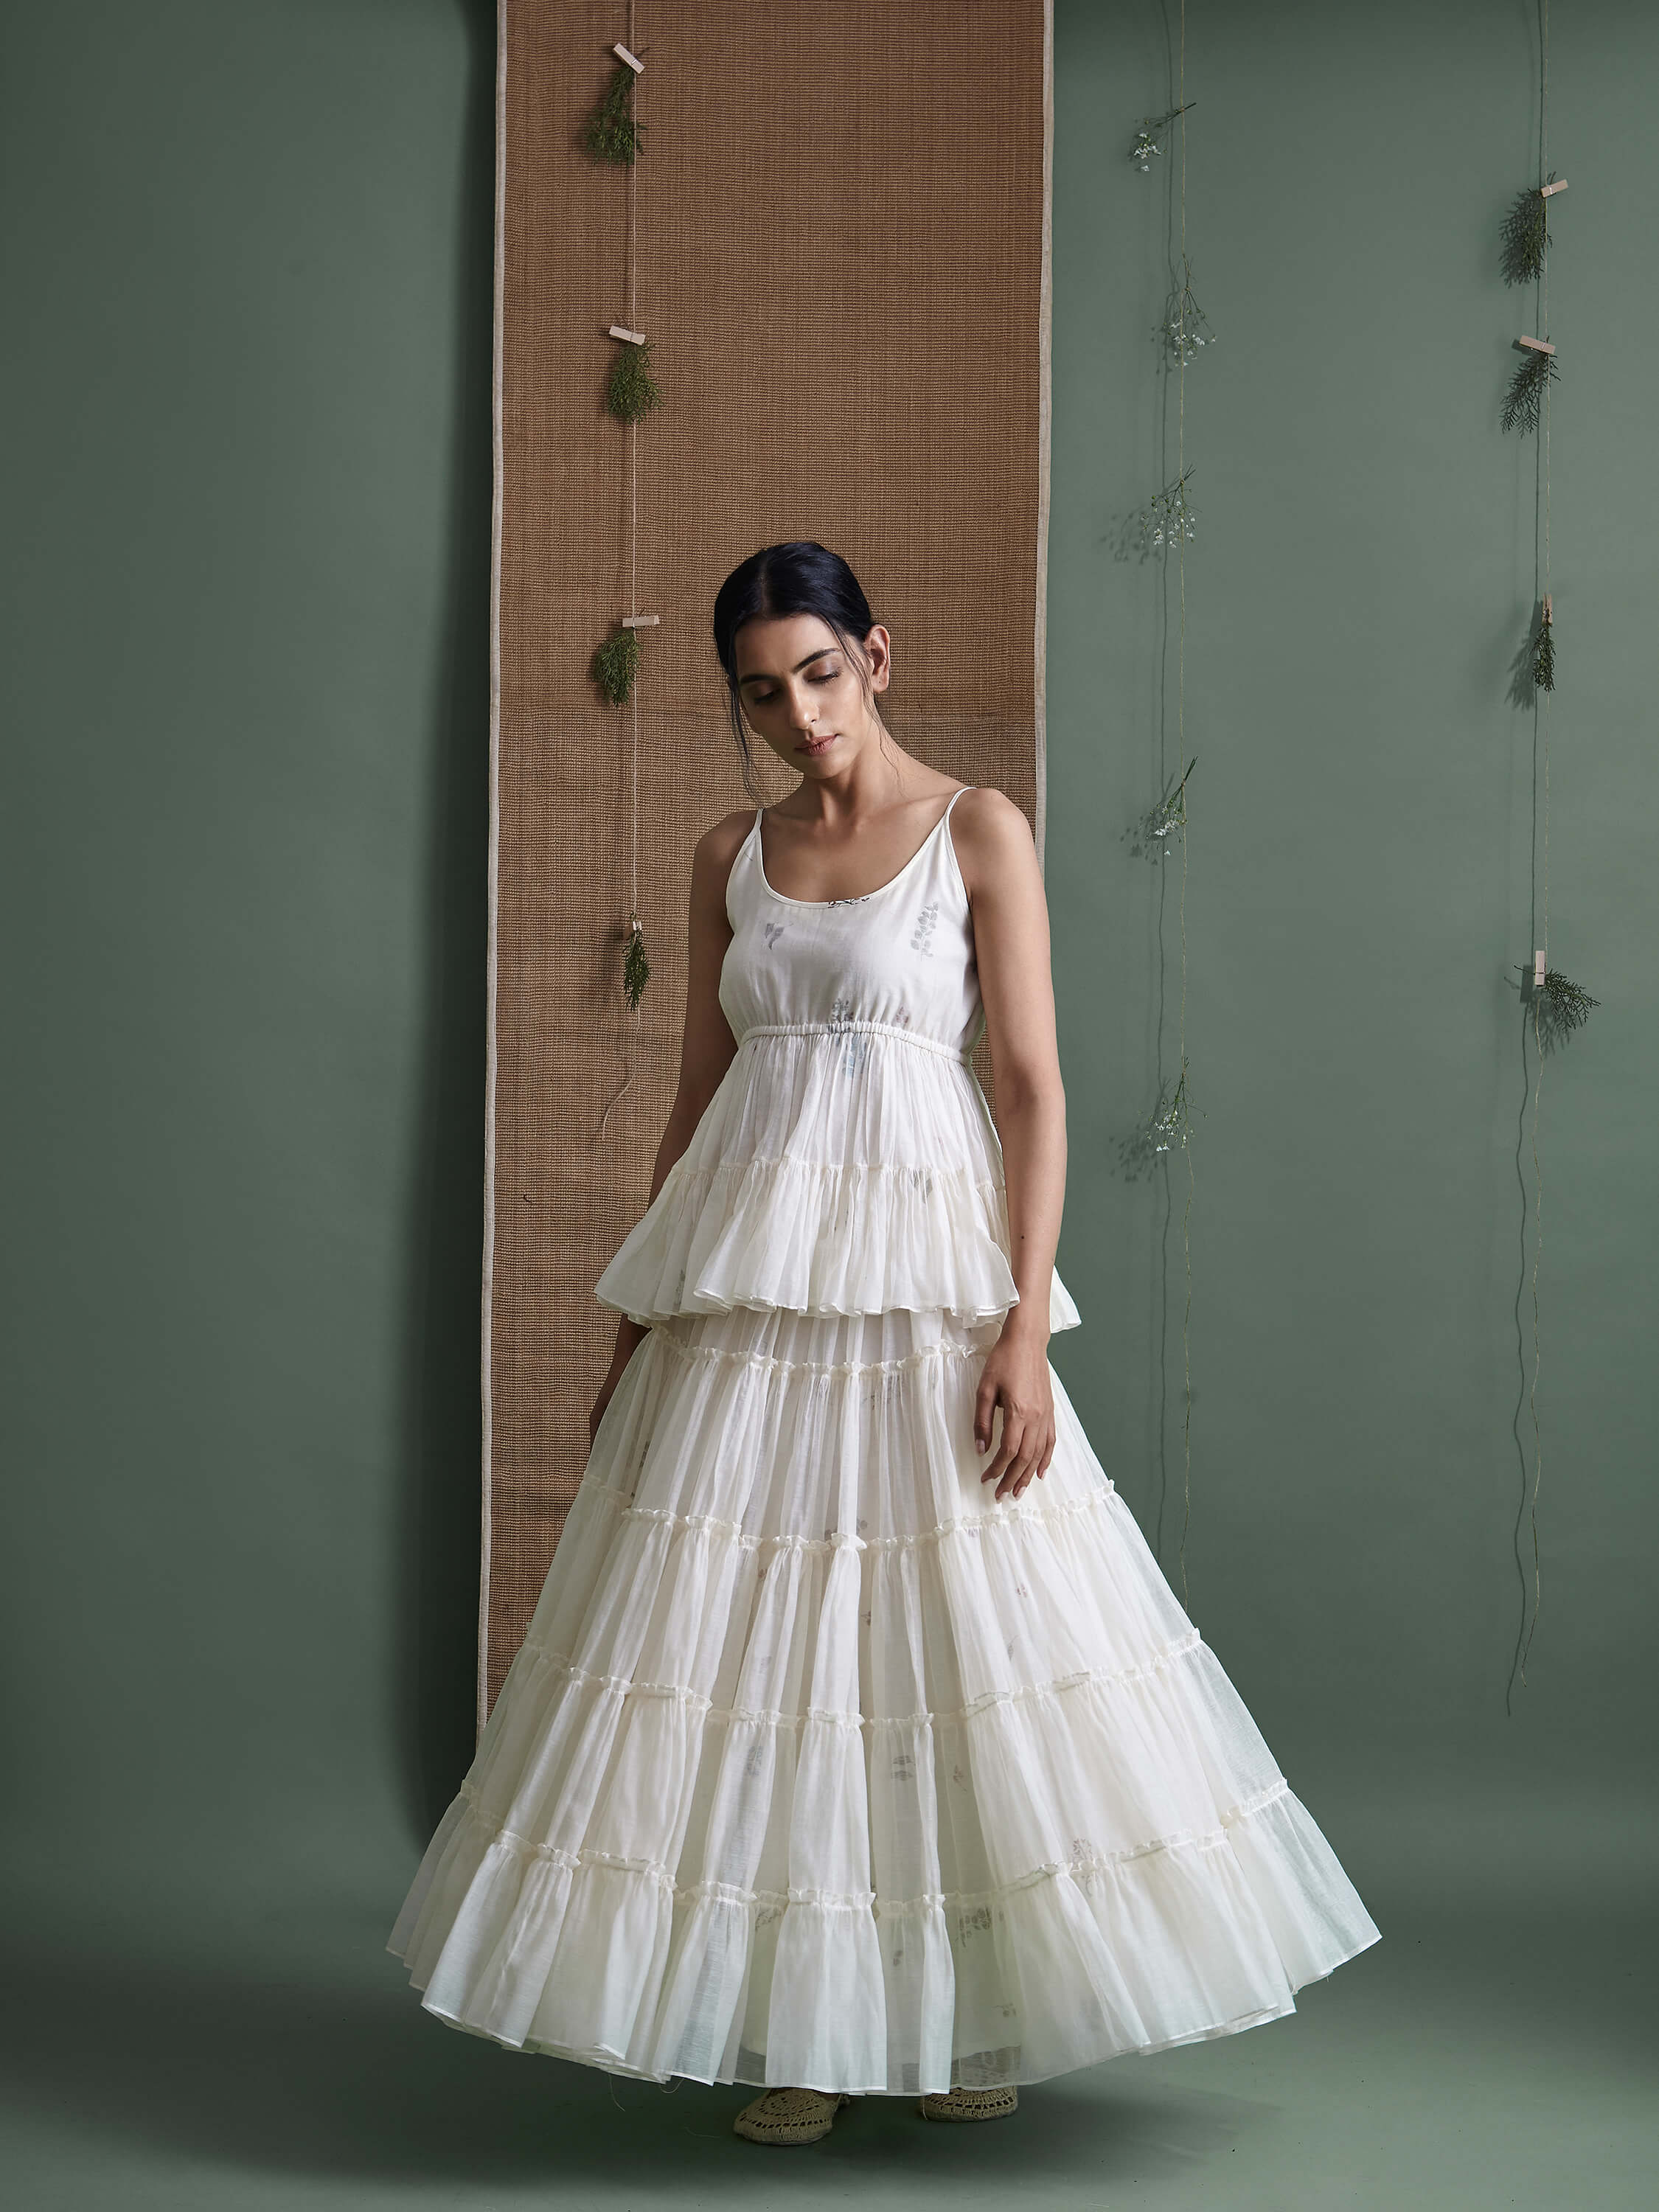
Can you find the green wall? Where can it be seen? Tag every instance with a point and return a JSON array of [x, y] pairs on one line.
[[248, 283], [1359, 886], [247, 331]]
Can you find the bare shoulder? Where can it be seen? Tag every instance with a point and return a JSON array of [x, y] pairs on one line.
[[720, 845], [993, 840], [711, 863]]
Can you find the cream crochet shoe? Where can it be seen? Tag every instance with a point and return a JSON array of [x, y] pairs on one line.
[[790, 2115], [970, 2104]]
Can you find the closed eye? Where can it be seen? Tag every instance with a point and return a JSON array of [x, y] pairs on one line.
[[764, 698]]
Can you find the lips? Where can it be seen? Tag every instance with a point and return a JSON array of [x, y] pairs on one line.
[[812, 746]]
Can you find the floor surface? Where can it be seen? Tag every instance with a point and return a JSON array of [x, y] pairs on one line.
[[1492, 2055]]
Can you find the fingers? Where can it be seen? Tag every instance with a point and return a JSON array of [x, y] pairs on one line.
[[1020, 1473], [1039, 1465], [985, 1405], [1027, 1446]]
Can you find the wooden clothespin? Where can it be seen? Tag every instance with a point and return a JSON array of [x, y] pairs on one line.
[[641, 621], [629, 338], [1560, 185], [637, 64], [1538, 345], [1537, 970]]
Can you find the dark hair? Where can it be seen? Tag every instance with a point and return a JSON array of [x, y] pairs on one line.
[[800, 578]]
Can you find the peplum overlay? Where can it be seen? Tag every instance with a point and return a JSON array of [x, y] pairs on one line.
[[845, 1167], [816, 1764]]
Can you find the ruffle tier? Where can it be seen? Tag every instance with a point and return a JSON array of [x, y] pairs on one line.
[[837, 1171], [819, 1766]]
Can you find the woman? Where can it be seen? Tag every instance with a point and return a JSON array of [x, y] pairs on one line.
[[857, 1744]]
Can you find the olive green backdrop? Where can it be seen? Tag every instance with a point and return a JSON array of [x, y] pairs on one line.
[[246, 532]]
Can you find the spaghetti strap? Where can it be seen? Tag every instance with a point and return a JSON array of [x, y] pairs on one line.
[[947, 845], [945, 819]]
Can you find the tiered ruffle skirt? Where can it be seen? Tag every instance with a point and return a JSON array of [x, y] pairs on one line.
[[819, 1766]]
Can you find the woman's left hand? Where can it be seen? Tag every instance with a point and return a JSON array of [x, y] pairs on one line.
[[1016, 1377]]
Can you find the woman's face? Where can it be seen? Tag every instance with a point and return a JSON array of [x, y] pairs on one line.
[[803, 695]]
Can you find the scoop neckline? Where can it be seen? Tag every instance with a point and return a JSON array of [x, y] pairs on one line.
[[858, 898]]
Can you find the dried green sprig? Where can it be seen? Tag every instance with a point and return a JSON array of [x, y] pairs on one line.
[[611, 134], [1525, 236], [1557, 1010], [632, 391], [1543, 653], [637, 969], [615, 665], [1525, 396], [1150, 836], [1166, 1126]]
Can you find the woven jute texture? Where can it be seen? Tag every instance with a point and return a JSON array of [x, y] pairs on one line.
[[841, 218]]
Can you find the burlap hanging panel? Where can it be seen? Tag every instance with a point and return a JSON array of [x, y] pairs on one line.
[[841, 228]]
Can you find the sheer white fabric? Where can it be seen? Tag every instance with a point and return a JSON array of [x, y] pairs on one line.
[[817, 1766], [837, 1171], [849, 1163]]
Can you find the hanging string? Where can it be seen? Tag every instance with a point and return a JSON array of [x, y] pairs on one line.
[[634, 481], [632, 595], [1181, 725], [1541, 709]]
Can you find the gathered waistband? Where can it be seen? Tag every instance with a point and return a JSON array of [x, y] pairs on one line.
[[843, 1029]]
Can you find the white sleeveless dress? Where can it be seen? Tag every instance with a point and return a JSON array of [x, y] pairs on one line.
[[817, 1766]]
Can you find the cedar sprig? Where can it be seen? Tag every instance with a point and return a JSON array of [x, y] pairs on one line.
[[1525, 236], [1559, 1009], [1525, 397], [611, 134], [1543, 653], [632, 391], [615, 665], [637, 969]]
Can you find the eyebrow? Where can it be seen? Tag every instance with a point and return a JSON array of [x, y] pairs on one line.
[[762, 676]]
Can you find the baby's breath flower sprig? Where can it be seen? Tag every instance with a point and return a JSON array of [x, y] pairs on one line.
[[1185, 330], [1151, 837], [1149, 138], [1169, 518], [1167, 1128]]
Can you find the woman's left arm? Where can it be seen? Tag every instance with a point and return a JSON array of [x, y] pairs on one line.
[[999, 868]]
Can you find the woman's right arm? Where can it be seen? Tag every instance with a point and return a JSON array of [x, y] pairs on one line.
[[707, 1044]]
